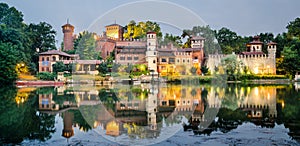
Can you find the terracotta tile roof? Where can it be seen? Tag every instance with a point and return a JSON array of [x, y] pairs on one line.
[[113, 25], [256, 42], [197, 38], [68, 25], [55, 52], [82, 61], [272, 43]]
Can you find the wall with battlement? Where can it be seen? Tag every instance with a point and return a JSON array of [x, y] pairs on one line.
[[256, 63]]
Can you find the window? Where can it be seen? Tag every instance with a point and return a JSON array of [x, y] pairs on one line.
[[43, 59], [129, 58], [47, 58], [122, 58], [172, 60], [164, 103], [177, 60], [43, 69], [163, 60], [183, 60], [136, 58], [188, 60], [154, 53], [153, 61], [54, 58]]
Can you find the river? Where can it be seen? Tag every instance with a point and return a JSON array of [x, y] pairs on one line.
[[151, 114]]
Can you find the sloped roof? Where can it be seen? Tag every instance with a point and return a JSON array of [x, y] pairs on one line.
[[272, 43], [55, 52], [197, 38], [82, 61]]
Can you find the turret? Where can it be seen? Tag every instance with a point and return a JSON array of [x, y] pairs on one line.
[[272, 46], [197, 42], [255, 45], [68, 31]]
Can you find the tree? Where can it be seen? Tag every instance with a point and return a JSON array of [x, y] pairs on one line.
[[231, 66], [204, 69], [10, 16], [229, 41], [86, 46], [193, 70], [59, 67], [291, 58], [294, 28], [139, 30], [102, 68], [8, 61], [210, 46], [169, 38]]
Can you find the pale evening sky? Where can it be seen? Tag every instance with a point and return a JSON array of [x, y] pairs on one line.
[[246, 17]]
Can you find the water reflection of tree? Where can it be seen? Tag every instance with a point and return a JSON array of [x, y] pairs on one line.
[[78, 119], [109, 98], [23, 121]]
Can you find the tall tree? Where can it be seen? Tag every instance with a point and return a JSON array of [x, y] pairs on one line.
[[86, 47], [139, 30], [211, 46]]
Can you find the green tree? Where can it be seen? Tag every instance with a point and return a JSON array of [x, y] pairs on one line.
[[294, 28], [211, 46], [102, 68], [86, 46], [232, 67], [229, 41], [59, 67], [139, 30], [169, 38], [8, 61]]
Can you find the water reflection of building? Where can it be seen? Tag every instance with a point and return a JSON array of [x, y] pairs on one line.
[[46, 102], [257, 100], [68, 130]]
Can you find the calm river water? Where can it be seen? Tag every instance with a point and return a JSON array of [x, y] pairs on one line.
[[151, 114]]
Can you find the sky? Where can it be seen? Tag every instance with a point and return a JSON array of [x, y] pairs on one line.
[[245, 17]]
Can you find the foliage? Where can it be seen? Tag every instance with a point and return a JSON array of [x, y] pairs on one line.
[[86, 46], [46, 76], [8, 61], [103, 68], [294, 28], [59, 67], [210, 46], [193, 70], [204, 69], [139, 30], [170, 39], [232, 67]]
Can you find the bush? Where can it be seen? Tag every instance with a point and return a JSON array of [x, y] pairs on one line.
[[46, 76]]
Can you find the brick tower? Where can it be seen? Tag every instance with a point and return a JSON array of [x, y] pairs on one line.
[[68, 31]]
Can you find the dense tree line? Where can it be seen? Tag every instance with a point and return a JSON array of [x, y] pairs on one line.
[[20, 43]]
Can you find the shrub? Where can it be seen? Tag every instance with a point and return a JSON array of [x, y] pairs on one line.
[[46, 76]]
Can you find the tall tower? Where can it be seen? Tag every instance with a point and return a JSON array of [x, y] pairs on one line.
[[68, 31], [151, 107], [151, 53], [68, 131], [272, 55]]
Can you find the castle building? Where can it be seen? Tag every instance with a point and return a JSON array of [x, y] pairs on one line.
[[68, 31], [256, 61]]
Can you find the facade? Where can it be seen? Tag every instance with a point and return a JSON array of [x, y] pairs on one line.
[[254, 59], [47, 59]]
